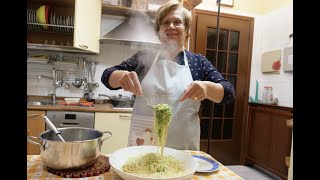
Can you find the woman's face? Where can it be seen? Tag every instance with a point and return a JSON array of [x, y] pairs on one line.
[[172, 29]]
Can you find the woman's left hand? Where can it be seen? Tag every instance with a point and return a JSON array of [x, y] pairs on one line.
[[196, 90]]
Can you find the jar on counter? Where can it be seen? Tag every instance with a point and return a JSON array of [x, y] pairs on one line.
[[267, 95]]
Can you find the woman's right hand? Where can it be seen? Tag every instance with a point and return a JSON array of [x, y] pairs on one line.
[[130, 82]]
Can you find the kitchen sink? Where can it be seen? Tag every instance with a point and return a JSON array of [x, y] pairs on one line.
[[40, 102]]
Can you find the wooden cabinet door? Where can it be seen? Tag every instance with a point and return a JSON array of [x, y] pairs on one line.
[[269, 138], [221, 125], [118, 124], [87, 25], [35, 126]]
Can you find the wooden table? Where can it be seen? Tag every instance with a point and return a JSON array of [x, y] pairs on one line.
[[36, 171]]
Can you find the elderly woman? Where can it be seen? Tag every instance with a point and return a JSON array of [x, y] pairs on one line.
[[171, 75]]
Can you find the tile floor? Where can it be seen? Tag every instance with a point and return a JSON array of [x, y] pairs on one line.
[[252, 173]]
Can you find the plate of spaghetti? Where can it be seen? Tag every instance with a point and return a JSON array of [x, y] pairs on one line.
[[146, 162], [154, 162]]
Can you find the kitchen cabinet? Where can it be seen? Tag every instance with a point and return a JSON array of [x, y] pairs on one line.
[[268, 138], [71, 26], [35, 126], [118, 124]]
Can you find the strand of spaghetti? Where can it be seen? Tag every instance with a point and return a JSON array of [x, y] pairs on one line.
[[163, 116]]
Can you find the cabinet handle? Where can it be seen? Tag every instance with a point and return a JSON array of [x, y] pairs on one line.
[[69, 124], [83, 46], [32, 115], [125, 116]]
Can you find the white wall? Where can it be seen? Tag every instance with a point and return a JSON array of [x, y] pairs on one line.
[[275, 28], [271, 32]]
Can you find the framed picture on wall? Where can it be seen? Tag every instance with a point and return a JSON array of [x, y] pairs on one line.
[[226, 3]]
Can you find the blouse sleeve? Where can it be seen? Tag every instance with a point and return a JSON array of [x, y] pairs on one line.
[[210, 73], [129, 65]]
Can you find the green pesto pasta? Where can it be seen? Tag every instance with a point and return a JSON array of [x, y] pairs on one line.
[[163, 116], [154, 165]]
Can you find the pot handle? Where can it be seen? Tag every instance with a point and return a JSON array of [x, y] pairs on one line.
[[33, 142], [110, 134]]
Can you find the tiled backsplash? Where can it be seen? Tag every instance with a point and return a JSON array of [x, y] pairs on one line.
[[110, 54]]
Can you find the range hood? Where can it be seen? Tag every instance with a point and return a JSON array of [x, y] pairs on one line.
[[136, 28]]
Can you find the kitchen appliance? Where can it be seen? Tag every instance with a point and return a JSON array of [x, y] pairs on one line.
[[81, 149], [120, 101], [62, 119], [126, 105], [136, 28]]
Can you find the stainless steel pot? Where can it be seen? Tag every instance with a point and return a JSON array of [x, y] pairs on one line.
[[82, 147]]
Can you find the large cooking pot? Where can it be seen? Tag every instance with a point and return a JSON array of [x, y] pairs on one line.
[[81, 149]]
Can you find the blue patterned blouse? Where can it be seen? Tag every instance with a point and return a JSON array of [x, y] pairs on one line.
[[200, 67]]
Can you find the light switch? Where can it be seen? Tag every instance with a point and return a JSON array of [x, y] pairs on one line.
[[288, 59]]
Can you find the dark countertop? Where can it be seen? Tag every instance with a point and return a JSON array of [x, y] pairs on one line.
[[271, 106], [104, 108]]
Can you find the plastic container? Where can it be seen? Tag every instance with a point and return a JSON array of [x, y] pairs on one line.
[[72, 100]]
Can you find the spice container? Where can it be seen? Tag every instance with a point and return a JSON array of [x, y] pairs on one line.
[[267, 95]]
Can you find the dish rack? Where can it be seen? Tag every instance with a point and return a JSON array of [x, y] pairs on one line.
[[55, 24]]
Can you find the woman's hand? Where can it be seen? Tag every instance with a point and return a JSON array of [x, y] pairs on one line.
[[196, 90], [204, 90], [128, 81]]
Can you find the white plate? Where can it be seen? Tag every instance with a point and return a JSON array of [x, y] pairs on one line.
[[206, 164], [119, 157]]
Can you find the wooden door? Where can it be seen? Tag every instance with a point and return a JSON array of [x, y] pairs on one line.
[[233, 62], [35, 126]]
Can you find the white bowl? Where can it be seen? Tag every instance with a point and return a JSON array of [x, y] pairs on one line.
[[119, 157], [72, 100]]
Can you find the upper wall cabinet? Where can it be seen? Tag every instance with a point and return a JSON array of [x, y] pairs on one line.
[[64, 25]]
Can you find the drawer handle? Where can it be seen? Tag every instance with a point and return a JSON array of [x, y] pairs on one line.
[[69, 124], [32, 115], [83, 46], [125, 116]]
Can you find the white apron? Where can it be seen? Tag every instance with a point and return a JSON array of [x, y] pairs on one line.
[[165, 83]]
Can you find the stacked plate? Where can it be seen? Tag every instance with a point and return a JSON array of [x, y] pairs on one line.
[[31, 18], [53, 22], [62, 23]]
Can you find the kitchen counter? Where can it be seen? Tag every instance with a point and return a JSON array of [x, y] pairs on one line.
[[96, 108], [35, 170]]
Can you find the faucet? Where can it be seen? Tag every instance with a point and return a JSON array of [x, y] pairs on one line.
[[53, 95]]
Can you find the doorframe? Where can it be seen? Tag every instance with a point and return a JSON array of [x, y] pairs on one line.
[[192, 46]]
